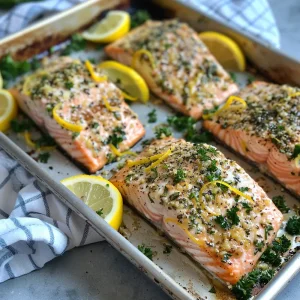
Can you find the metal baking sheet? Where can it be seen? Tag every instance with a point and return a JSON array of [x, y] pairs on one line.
[[181, 277]]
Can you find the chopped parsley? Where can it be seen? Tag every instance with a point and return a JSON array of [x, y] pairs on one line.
[[293, 225], [296, 151], [247, 207], [128, 178], [212, 290], [268, 228], [280, 204], [43, 157], [259, 245], [77, 43], [244, 189], [45, 141], [19, 126], [233, 76], [226, 257], [69, 85], [99, 212], [167, 249], [75, 135], [179, 176], [152, 117], [146, 251], [250, 79], [139, 18], [162, 132], [243, 288], [117, 136], [229, 220], [95, 125]]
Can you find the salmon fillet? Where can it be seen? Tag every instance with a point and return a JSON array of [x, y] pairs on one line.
[[184, 74], [99, 107], [267, 132], [216, 226]]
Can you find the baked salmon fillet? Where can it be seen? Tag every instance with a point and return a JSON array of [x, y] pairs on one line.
[[266, 130], [93, 122], [176, 65], [205, 203]]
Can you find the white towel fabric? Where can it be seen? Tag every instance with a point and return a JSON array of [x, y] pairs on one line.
[[252, 16], [35, 226]]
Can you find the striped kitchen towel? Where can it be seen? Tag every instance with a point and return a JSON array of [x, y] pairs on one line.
[[252, 16], [35, 226]]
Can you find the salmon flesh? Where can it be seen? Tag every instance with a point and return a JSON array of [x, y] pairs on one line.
[[266, 132], [98, 107], [205, 203], [183, 72]]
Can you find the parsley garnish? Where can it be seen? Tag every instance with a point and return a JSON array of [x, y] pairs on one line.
[[95, 125], [69, 85], [250, 79], [43, 157], [243, 288], [247, 207], [139, 18], [233, 76], [77, 43], [146, 251], [259, 245], [293, 225], [152, 117], [268, 228], [168, 249], [99, 212], [280, 204], [226, 257], [128, 178], [116, 137], [230, 219], [179, 176], [212, 290], [296, 150], [19, 126], [75, 135], [45, 141], [162, 131]]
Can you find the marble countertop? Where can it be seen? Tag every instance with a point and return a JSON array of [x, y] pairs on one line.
[[98, 271]]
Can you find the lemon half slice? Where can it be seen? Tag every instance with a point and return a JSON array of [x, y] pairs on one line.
[[225, 50], [114, 26], [127, 80], [8, 109], [100, 195]]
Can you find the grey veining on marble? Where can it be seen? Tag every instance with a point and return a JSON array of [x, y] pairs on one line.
[[98, 271]]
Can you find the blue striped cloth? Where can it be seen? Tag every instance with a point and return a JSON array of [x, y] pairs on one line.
[[35, 226]]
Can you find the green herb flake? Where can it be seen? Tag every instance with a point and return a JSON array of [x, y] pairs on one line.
[[167, 249], [212, 290], [76, 44], [293, 225], [152, 117], [146, 251], [19, 126], [226, 257], [69, 85], [100, 212], [116, 137], [162, 132], [43, 157], [233, 76], [75, 135], [280, 204], [179, 176], [296, 151], [95, 125], [139, 18], [268, 228]]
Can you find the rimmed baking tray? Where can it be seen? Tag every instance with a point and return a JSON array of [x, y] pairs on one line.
[[175, 272]]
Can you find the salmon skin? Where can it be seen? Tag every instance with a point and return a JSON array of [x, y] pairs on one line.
[[267, 131], [204, 202], [98, 106], [182, 72]]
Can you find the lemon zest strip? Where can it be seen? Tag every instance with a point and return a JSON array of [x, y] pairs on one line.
[[128, 97], [226, 106], [108, 106], [116, 152], [190, 235], [95, 77], [63, 123], [143, 161], [138, 54], [32, 144], [163, 157], [236, 191], [295, 94]]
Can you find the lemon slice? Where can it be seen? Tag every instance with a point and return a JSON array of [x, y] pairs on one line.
[[127, 79], [225, 50], [114, 26], [63, 123], [100, 195], [31, 80], [8, 109]]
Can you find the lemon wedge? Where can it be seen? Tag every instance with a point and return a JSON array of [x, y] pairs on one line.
[[100, 195], [114, 26], [8, 109], [63, 123], [226, 51], [126, 79]]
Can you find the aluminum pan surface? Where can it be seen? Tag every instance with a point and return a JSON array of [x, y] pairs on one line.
[[178, 266]]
